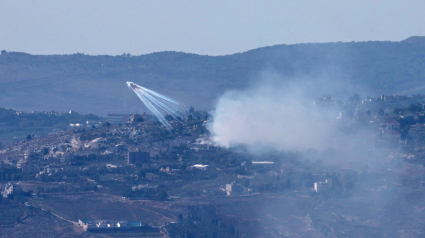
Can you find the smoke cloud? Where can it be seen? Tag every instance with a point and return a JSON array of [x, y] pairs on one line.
[[272, 113]]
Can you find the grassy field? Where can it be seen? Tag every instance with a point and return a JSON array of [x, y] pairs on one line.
[[10, 213], [105, 207]]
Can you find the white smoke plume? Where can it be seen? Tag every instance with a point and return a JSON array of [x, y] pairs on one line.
[[160, 105], [274, 114]]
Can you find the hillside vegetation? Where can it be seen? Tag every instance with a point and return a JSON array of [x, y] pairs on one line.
[[96, 84], [18, 126]]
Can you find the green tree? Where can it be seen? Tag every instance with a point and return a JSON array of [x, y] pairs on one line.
[[45, 151], [396, 111], [96, 178], [162, 195]]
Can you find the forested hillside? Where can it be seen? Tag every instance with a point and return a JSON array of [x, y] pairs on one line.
[[18, 126], [96, 84]]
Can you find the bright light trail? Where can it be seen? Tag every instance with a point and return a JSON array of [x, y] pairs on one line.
[[158, 104]]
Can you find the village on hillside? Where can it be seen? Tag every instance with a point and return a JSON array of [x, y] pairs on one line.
[[92, 177]]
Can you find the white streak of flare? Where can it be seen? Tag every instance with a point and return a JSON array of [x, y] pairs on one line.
[[159, 104]]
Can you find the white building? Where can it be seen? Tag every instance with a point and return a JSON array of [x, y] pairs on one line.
[[89, 225], [262, 162], [146, 188], [323, 186], [417, 130], [200, 166], [390, 125], [234, 189], [10, 189]]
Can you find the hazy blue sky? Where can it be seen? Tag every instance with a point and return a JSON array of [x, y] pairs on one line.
[[204, 27]]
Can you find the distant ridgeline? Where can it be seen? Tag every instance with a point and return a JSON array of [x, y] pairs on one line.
[[415, 40], [96, 84], [18, 125]]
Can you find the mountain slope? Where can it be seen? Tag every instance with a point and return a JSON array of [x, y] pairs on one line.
[[97, 83]]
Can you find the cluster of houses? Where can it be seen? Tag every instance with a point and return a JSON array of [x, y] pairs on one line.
[[383, 115], [290, 177]]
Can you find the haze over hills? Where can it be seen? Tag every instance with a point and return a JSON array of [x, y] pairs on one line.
[[96, 84]]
